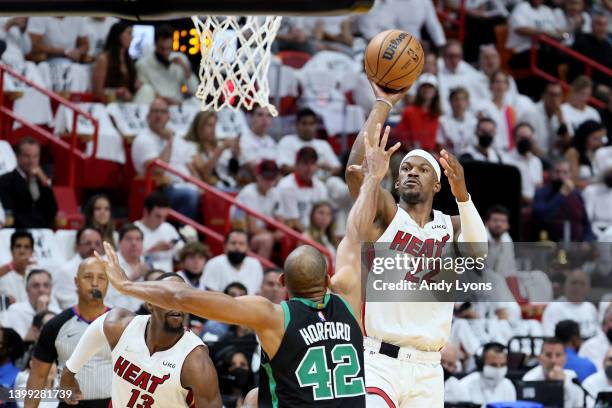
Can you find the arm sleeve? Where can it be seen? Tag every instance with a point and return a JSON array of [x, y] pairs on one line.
[[92, 341], [472, 227]]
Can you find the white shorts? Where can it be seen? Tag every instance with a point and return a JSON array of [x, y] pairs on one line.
[[413, 380]]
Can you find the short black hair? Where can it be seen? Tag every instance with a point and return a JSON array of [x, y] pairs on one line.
[[520, 125], [12, 343], [125, 228], [23, 141], [304, 112], [270, 270], [235, 231], [82, 230], [21, 234], [37, 321], [35, 272], [566, 330], [494, 347], [553, 341], [485, 119], [497, 209], [156, 199], [163, 32], [235, 285]]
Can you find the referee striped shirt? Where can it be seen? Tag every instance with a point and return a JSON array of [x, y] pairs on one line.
[[57, 341]]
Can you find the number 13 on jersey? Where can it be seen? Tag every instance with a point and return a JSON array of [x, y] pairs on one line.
[[313, 372]]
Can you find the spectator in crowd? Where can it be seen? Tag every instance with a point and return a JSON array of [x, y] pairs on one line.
[[234, 266], [11, 350], [453, 392], [530, 18], [558, 202], [596, 347], [26, 191], [19, 315], [481, 19], [587, 139], [456, 129], [213, 330], [264, 198], [161, 241], [38, 321], [215, 161], [573, 305], [334, 33], [489, 383], [159, 142], [114, 73], [61, 41], [162, 74], [573, 19], [576, 110], [530, 165], [271, 287], [420, 120], [61, 334], [294, 36], [97, 30], [235, 377], [598, 202], [489, 63], [454, 72], [546, 118], [601, 381], [98, 215], [193, 258], [322, 227], [88, 240], [257, 145], [500, 258], [486, 130], [306, 128], [13, 274], [504, 114], [596, 46], [552, 359], [300, 190], [568, 331]]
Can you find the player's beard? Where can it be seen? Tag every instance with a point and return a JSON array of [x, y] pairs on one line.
[[411, 197]]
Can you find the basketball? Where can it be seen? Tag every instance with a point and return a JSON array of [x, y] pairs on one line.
[[394, 59]]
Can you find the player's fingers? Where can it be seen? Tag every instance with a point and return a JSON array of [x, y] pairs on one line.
[[385, 138], [393, 149], [366, 140], [444, 163], [376, 139], [98, 257]]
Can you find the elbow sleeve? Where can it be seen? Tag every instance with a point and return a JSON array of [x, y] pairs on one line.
[[90, 343], [473, 230]]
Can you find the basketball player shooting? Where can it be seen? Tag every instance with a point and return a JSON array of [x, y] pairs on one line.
[[313, 344], [403, 339], [156, 362]]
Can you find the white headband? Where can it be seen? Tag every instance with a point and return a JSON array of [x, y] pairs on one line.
[[427, 156]]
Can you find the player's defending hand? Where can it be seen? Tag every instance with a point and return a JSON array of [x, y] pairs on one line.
[[454, 171], [376, 160], [115, 274]]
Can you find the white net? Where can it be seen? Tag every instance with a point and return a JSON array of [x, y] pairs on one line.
[[236, 54]]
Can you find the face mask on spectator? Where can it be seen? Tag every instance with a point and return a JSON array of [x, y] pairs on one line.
[[485, 139], [235, 257], [241, 377], [608, 370], [556, 185], [494, 374], [523, 146]]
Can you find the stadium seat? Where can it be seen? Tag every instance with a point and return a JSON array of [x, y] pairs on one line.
[[68, 214]]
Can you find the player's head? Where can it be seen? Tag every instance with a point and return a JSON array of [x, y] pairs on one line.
[[305, 272], [91, 281], [171, 321], [419, 177]]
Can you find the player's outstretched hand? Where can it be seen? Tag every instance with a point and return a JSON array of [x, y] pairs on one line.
[[376, 160], [454, 171], [115, 274], [392, 97]]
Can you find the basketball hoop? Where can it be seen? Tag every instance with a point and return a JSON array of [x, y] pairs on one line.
[[236, 54]]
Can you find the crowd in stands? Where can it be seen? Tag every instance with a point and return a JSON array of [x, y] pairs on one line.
[[471, 100]]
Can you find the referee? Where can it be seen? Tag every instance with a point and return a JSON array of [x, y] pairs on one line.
[[61, 334]]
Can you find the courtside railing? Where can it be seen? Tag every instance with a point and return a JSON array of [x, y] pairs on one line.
[[149, 187], [71, 147], [589, 64]]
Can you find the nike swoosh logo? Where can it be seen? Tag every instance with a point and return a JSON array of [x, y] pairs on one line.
[[72, 335]]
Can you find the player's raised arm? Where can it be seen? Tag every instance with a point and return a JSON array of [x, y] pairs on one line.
[[347, 278], [253, 311], [378, 115], [470, 231]]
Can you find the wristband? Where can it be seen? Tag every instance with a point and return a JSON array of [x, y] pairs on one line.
[[381, 99]]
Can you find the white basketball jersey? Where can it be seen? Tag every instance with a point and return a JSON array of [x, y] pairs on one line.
[[420, 325], [144, 380]]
